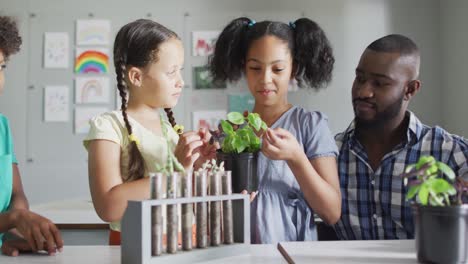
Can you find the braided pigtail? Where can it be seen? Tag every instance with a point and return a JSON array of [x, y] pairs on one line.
[[136, 163], [170, 116]]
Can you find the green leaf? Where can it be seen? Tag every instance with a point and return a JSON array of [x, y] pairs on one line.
[[413, 190], [236, 118], [227, 143], [226, 126], [452, 191], [439, 186], [255, 121], [255, 145], [423, 160], [238, 144], [432, 170], [423, 194], [446, 170], [244, 135]]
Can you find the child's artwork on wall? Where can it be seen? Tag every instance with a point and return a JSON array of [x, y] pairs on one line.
[[56, 50], [93, 32], [203, 79], [56, 104], [92, 90], [208, 119], [203, 42], [83, 115], [92, 60], [241, 102]]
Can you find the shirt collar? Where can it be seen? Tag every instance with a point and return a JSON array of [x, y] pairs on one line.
[[413, 133]]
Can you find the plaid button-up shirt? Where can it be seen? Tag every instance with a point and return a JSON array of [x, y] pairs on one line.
[[373, 202]]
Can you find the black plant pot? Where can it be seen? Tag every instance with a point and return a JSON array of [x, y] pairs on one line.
[[441, 233], [244, 170]]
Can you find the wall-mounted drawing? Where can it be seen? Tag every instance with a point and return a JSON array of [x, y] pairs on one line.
[[92, 90], [56, 103], [83, 115], [93, 32], [92, 60], [56, 50], [203, 80], [203, 42]]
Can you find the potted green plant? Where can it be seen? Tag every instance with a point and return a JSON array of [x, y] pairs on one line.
[[239, 136], [440, 215]]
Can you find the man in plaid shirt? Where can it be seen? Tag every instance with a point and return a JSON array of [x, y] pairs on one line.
[[383, 138]]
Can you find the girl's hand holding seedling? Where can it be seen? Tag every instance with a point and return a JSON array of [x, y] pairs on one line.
[[280, 144], [186, 150], [193, 148], [207, 151]]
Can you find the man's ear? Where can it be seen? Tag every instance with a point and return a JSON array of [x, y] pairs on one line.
[[412, 88], [135, 76]]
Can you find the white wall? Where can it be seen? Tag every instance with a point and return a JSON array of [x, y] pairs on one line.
[[350, 25], [454, 71]]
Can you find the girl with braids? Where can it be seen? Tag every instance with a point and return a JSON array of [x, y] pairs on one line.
[[124, 146], [31, 231], [297, 165]]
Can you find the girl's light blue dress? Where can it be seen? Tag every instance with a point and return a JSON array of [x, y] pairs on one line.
[[280, 211]]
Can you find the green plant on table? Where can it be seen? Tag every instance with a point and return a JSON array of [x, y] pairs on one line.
[[428, 187], [241, 132]]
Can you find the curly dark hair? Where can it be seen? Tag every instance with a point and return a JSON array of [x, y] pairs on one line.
[[310, 49], [10, 40]]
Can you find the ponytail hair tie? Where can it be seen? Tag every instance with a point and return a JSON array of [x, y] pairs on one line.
[[179, 129], [133, 138], [292, 25], [251, 23]]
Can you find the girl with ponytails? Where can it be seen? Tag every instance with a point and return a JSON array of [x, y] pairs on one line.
[[297, 165]]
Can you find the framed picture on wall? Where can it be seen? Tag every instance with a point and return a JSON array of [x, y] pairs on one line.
[[56, 104], [92, 60], [203, 80], [92, 90], [93, 32], [203, 42], [56, 50]]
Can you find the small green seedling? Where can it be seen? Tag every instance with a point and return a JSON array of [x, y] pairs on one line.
[[240, 132], [427, 186]]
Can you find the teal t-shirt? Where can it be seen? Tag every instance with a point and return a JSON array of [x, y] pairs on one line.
[[7, 158]]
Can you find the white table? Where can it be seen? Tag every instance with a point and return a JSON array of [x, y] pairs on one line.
[[370, 251], [69, 212], [77, 221], [394, 251]]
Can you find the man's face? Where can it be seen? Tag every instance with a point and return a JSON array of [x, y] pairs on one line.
[[380, 86]]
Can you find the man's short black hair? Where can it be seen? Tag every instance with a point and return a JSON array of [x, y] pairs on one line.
[[395, 43]]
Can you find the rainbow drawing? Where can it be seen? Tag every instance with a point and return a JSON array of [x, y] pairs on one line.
[[93, 32], [92, 89], [92, 61]]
